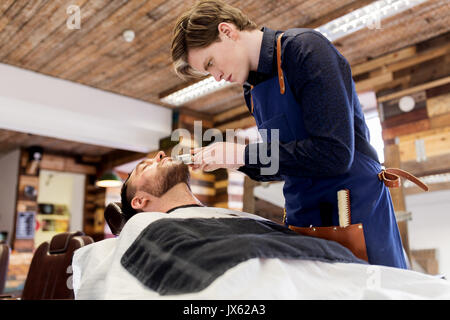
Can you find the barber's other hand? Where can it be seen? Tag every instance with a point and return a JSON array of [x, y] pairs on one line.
[[219, 155]]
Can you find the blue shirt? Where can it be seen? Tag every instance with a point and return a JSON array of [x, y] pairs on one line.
[[321, 80]]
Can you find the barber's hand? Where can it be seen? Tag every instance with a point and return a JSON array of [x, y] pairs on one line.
[[219, 155]]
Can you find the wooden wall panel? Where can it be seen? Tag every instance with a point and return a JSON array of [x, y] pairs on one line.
[[405, 129], [391, 108], [202, 186], [61, 163], [438, 105], [407, 117], [437, 142], [236, 187]]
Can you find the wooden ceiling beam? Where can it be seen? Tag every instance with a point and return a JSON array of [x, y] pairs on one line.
[[419, 58], [414, 76], [433, 165], [425, 86], [383, 60], [371, 83], [381, 71]]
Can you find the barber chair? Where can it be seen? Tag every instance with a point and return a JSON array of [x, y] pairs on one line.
[[4, 259], [50, 273], [114, 217]]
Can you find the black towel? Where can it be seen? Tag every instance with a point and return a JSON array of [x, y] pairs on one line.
[[176, 256]]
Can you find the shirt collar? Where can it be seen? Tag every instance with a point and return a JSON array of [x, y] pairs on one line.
[[266, 57], [184, 206], [265, 64]]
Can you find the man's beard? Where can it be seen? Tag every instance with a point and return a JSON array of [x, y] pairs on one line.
[[167, 178]]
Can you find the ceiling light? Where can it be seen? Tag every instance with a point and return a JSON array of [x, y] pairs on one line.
[[109, 180], [195, 91], [406, 104], [128, 35], [368, 16]]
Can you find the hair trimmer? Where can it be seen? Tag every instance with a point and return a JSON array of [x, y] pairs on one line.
[[185, 158]]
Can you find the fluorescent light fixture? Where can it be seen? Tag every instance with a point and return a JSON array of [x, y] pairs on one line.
[[195, 91], [368, 16]]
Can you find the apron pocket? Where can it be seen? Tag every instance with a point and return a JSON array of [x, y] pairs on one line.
[[277, 122]]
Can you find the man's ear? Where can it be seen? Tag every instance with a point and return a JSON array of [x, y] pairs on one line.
[[227, 29], [139, 201]]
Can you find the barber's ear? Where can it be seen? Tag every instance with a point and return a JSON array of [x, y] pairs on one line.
[[226, 29]]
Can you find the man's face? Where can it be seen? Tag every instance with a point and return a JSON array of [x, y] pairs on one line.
[[226, 59], [159, 174]]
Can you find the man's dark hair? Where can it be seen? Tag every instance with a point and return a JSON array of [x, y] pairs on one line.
[[125, 195]]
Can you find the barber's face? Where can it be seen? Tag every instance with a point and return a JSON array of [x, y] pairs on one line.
[[159, 174], [226, 59]]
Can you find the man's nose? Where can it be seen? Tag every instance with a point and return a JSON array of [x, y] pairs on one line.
[[159, 156], [217, 76]]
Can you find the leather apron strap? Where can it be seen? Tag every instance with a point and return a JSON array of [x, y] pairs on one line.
[[280, 71], [391, 178], [251, 99]]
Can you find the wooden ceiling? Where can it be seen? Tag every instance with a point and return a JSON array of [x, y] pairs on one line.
[[34, 36], [10, 140]]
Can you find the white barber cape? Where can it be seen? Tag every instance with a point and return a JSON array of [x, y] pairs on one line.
[[98, 273]]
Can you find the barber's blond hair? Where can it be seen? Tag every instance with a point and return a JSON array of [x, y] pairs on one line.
[[198, 28]]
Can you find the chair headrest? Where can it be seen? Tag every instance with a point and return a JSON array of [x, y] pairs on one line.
[[60, 242], [115, 217]]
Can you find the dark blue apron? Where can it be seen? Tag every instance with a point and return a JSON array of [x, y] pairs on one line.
[[275, 107]]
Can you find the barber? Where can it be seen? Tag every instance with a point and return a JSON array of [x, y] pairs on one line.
[[295, 81]]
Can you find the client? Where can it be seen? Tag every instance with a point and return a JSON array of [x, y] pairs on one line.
[[172, 246], [162, 185]]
